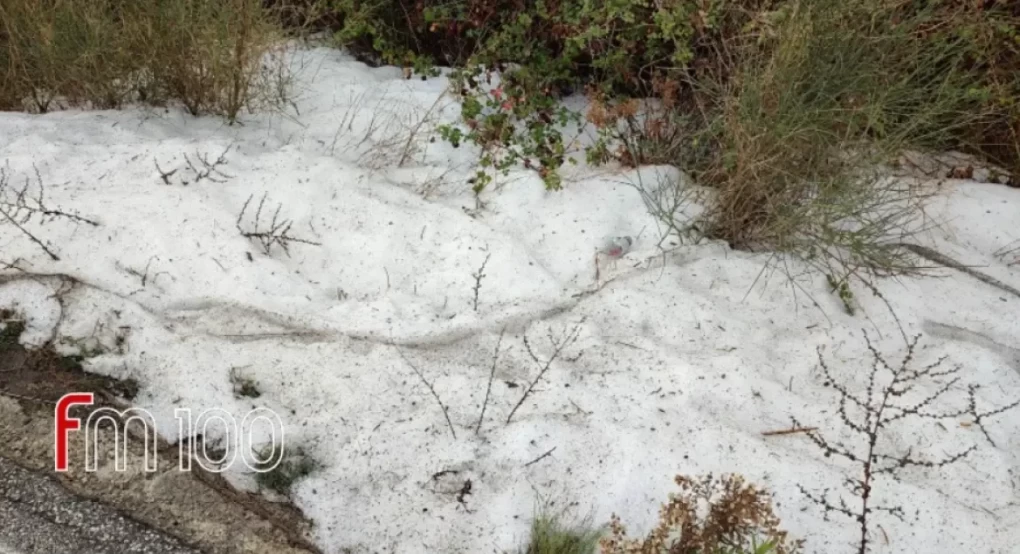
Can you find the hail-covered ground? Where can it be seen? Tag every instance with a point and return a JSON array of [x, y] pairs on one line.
[[404, 308]]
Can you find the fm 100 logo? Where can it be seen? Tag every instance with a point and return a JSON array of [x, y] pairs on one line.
[[237, 439]]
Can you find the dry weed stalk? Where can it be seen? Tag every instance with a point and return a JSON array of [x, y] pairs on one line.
[[1010, 254], [478, 276], [559, 344], [274, 232], [432, 390], [389, 137], [204, 170], [492, 376]]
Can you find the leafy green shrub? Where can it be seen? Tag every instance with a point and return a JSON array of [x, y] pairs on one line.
[[205, 54], [538, 51], [614, 49], [622, 50]]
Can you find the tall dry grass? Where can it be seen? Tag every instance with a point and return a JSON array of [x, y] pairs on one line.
[[794, 127], [210, 56]]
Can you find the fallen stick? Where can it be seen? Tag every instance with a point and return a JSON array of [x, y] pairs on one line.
[[790, 431], [540, 458]]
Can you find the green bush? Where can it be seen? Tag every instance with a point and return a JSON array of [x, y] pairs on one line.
[[626, 49], [790, 109], [539, 50]]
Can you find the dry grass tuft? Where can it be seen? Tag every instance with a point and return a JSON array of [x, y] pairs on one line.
[[211, 56]]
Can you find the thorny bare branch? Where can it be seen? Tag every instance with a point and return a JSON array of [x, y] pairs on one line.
[[979, 416], [164, 175], [12, 265], [274, 232], [869, 414], [204, 170], [1010, 254], [478, 276], [559, 344], [145, 275], [20, 205], [540, 458], [446, 413], [492, 375], [210, 170]]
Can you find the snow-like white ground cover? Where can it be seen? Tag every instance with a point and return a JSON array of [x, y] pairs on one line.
[[684, 358]]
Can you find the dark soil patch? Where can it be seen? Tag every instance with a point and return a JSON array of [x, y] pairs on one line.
[[41, 376], [229, 521]]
